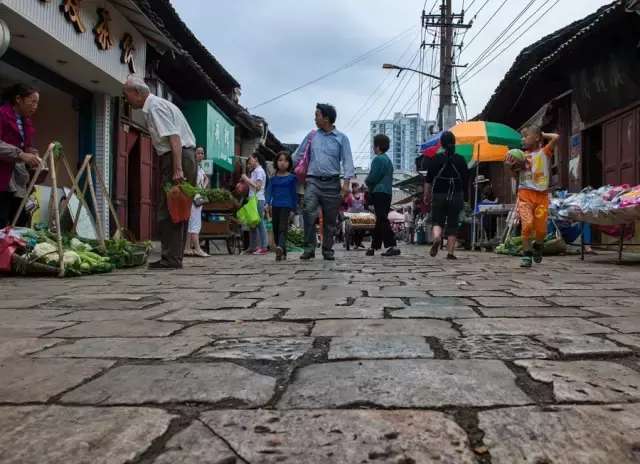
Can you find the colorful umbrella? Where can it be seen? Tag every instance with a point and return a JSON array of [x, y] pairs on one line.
[[478, 141]]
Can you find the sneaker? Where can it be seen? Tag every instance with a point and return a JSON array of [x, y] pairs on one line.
[[261, 251], [451, 257], [391, 252], [307, 255], [328, 256], [526, 262], [537, 253], [371, 252]]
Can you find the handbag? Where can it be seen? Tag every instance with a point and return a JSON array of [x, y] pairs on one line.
[[179, 205], [248, 214], [302, 166]]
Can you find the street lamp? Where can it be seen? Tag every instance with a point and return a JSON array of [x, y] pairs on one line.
[[401, 68]]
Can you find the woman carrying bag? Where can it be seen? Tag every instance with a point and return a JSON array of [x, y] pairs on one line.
[[258, 242], [192, 247]]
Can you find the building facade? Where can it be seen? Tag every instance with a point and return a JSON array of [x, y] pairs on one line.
[[406, 132]]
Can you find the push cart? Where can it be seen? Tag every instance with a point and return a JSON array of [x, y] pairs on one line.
[[220, 224], [357, 222]]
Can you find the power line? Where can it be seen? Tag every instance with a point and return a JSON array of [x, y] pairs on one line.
[[495, 13], [511, 43], [351, 63]]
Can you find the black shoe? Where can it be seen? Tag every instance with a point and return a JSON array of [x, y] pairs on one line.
[[451, 257], [371, 252], [391, 252], [537, 252], [163, 266], [435, 248], [307, 255], [279, 253], [328, 256]]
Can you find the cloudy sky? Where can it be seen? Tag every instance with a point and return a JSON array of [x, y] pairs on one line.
[[274, 46]]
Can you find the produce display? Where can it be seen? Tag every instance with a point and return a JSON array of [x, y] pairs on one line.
[[361, 218], [213, 195], [80, 256], [295, 237], [604, 206]]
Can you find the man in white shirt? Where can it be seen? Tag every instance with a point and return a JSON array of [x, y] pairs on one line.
[[175, 143]]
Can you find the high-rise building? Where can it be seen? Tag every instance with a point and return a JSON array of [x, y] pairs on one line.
[[406, 132]]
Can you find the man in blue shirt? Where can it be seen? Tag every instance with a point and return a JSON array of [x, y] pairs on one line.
[[330, 150]]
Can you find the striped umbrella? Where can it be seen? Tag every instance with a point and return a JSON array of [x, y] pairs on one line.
[[478, 141]]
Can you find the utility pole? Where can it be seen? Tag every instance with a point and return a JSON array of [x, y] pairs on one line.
[[446, 22]]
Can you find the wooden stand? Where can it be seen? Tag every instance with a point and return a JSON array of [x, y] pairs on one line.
[[88, 169]]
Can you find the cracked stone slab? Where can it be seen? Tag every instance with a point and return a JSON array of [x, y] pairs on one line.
[[333, 312], [355, 328], [142, 348], [342, 437], [196, 445], [588, 301], [272, 349], [530, 326], [581, 345], [399, 292], [629, 340], [253, 314], [31, 314], [495, 347], [21, 303], [65, 435], [381, 347], [467, 292], [403, 383], [105, 301], [434, 312], [195, 303], [24, 380], [110, 315], [586, 380], [292, 303], [176, 383], [510, 301], [563, 435], [615, 311], [29, 328], [536, 311], [621, 324], [440, 301], [247, 329], [117, 329], [12, 347]]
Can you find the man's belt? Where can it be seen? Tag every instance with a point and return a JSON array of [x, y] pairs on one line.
[[324, 178]]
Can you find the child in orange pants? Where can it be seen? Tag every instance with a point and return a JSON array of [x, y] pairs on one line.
[[533, 190]]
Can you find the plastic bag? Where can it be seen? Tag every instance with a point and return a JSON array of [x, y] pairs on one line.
[[248, 215], [179, 205], [8, 246], [302, 166]]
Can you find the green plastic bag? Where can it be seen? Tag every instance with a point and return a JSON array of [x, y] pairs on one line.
[[248, 214]]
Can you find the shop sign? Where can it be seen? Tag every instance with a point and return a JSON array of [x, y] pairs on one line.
[[127, 48], [101, 31], [71, 11]]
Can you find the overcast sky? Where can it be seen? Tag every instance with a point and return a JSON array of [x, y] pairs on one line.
[[273, 46]]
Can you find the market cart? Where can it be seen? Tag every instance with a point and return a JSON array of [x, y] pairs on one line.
[[220, 224], [356, 222]]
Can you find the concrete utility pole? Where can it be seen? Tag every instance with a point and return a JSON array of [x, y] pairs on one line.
[[446, 21]]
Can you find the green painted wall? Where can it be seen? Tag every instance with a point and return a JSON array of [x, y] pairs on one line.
[[213, 130]]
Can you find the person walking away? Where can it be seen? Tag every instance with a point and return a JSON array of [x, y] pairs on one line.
[[175, 144], [257, 184], [17, 153], [447, 180], [329, 151], [379, 181], [192, 247], [533, 176], [282, 199], [409, 225]]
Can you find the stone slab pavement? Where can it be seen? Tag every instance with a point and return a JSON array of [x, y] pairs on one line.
[[363, 360]]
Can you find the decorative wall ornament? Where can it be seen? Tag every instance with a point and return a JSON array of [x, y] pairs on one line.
[[128, 48], [71, 11], [101, 31]]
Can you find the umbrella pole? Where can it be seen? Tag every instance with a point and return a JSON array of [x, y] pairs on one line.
[[475, 206]]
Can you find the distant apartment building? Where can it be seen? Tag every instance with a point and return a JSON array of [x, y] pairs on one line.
[[406, 132]]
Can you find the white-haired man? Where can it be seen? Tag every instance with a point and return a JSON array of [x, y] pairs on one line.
[[175, 143]]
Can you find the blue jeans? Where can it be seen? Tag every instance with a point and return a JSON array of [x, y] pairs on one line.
[[259, 232]]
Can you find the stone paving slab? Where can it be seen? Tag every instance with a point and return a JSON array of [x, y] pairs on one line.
[[334, 312], [142, 348], [589, 301], [355, 328], [110, 315], [630, 340], [30, 328], [586, 380], [263, 348], [498, 301], [31, 314], [399, 292], [536, 311], [292, 303], [71, 435], [248, 329], [495, 347], [434, 312], [403, 383], [104, 301], [583, 345], [380, 347], [342, 437], [440, 301], [252, 314], [27, 380], [175, 383], [563, 435], [196, 445], [470, 293], [530, 326], [12, 347], [615, 311], [109, 329], [621, 324]]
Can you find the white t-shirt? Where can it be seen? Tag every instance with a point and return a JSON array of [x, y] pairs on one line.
[[165, 119], [258, 175]]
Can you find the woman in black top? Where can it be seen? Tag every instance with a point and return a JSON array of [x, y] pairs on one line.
[[446, 182]]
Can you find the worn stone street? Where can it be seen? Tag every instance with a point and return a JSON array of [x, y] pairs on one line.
[[364, 360]]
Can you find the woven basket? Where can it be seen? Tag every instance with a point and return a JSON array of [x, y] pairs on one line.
[[25, 267]]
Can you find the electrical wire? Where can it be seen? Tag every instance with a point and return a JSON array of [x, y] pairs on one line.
[[495, 13], [347, 65]]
